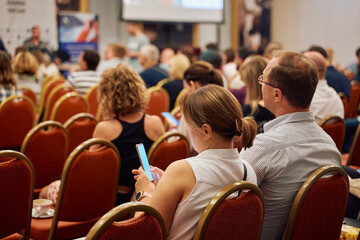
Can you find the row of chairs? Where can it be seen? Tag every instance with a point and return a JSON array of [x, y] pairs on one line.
[[317, 213]]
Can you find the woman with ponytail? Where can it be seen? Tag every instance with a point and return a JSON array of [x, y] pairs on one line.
[[214, 117]]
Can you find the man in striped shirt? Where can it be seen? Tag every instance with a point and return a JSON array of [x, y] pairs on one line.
[[87, 76]]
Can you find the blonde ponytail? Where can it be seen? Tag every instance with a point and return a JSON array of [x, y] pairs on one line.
[[249, 130]]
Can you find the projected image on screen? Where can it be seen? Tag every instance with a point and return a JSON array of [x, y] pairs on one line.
[[173, 10]]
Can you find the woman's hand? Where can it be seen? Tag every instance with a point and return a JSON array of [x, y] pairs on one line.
[[157, 174], [143, 182]]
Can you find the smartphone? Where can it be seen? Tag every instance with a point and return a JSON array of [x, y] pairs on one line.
[[171, 118], [144, 160]]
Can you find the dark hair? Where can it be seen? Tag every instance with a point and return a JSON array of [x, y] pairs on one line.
[[20, 49], [230, 55], [358, 53], [244, 52], [92, 58], [216, 60], [203, 73], [296, 76], [213, 46], [6, 73], [319, 50]]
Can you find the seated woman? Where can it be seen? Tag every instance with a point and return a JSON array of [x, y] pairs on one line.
[[7, 80], [178, 65], [26, 67], [250, 72], [123, 97], [214, 117]]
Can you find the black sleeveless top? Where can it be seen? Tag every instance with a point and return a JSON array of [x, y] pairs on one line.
[[132, 134]]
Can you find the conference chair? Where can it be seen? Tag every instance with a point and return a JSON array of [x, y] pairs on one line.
[[55, 94], [162, 82], [28, 92], [179, 96], [80, 128], [233, 218], [112, 226], [17, 117], [352, 158], [343, 100], [334, 126], [319, 206], [92, 99], [46, 145], [16, 194], [87, 191], [67, 106], [159, 102], [353, 103], [163, 152], [47, 87]]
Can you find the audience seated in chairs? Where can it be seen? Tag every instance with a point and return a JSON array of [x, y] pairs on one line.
[[250, 72], [289, 150], [214, 117], [123, 99]]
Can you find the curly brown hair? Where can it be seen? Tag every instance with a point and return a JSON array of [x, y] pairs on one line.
[[122, 91]]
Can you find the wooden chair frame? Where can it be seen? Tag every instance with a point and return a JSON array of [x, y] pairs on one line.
[[51, 94], [65, 176], [65, 97], [299, 198], [77, 117], [162, 82], [330, 119], [124, 209], [163, 138], [10, 153], [218, 199], [180, 95]]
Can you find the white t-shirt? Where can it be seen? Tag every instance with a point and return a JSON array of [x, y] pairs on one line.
[[214, 169]]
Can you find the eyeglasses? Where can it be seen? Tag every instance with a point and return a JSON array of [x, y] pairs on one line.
[[261, 80]]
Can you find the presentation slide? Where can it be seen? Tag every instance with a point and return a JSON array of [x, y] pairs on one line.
[[173, 10]]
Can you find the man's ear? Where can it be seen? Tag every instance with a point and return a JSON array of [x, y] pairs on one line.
[[207, 131], [278, 95]]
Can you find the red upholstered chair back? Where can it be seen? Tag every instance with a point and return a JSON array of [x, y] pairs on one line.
[[67, 106], [48, 86], [28, 92], [80, 128], [17, 117], [16, 193], [55, 95], [46, 145], [89, 182], [334, 126], [354, 154], [159, 102], [148, 226], [353, 103], [235, 218], [163, 152], [319, 206], [343, 100], [92, 99]]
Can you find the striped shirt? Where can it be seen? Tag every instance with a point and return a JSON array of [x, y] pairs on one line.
[[6, 91], [290, 149], [83, 80]]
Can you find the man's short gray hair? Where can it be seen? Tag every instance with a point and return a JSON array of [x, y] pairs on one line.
[[151, 52]]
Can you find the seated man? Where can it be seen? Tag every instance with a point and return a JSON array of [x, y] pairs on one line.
[[87, 76], [325, 101], [292, 145], [114, 54], [149, 59]]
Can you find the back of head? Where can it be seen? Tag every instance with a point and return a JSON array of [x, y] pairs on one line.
[[151, 52], [203, 73], [117, 49], [92, 58], [213, 46], [188, 51], [20, 49], [296, 76], [25, 63], [122, 91], [250, 72], [271, 48], [217, 107], [39, 57], [178, 65], [319, 61], [166, 54], [6, 74], [320, 50], [230, 55]]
